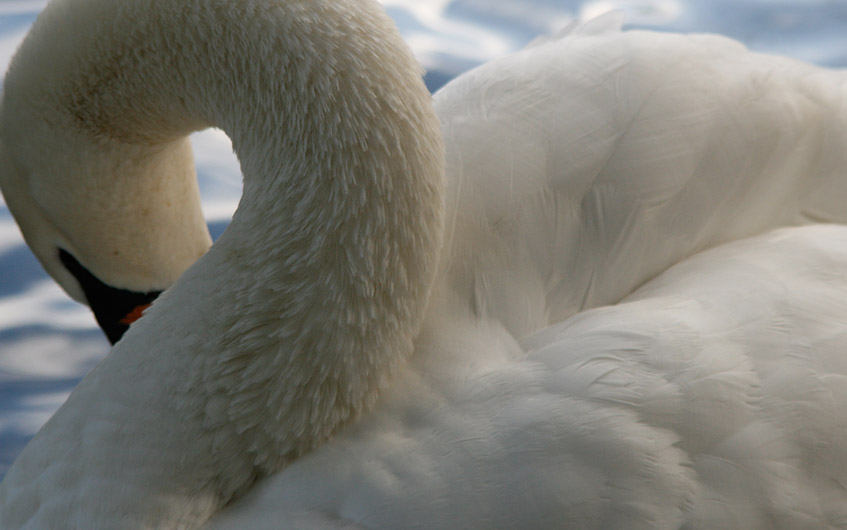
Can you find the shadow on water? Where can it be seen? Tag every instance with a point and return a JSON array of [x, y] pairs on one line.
[[22, 397], [16, 396], [216, 228], [20, 271]]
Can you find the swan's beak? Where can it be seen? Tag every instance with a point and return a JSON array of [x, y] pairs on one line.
[[115, 309]]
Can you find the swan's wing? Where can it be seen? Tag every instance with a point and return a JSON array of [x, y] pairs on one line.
[[713, 396], [742, 353], [582, 167]]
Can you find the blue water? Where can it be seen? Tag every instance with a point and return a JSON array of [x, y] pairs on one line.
[[47, 342]]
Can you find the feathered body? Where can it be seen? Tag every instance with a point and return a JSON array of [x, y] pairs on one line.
[[331, 363], [712, 397]]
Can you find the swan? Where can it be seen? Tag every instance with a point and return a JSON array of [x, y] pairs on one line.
[[371, 345]]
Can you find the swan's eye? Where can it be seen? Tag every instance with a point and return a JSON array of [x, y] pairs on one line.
[[115, 309]]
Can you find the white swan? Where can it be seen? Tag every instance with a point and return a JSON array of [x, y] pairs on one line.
[[709, 399]]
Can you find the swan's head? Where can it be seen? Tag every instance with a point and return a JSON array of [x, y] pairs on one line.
[[96, 166], [114, 222]]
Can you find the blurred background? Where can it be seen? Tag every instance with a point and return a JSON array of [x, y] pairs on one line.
[[48, 342]]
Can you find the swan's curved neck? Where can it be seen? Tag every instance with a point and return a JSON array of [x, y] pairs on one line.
[[288, 327]]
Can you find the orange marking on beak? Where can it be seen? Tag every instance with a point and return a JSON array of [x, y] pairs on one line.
[[134, 315]]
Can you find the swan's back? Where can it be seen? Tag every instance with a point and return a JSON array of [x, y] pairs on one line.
[[584, 166], [710, 398]]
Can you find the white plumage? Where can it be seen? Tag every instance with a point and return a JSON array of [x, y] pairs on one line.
[[302, 374], [712, 397], [580, 168]]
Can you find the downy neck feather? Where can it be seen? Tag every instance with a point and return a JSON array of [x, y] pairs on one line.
[[286, 330]]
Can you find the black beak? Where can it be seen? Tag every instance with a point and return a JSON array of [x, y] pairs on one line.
[[115, 309]]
